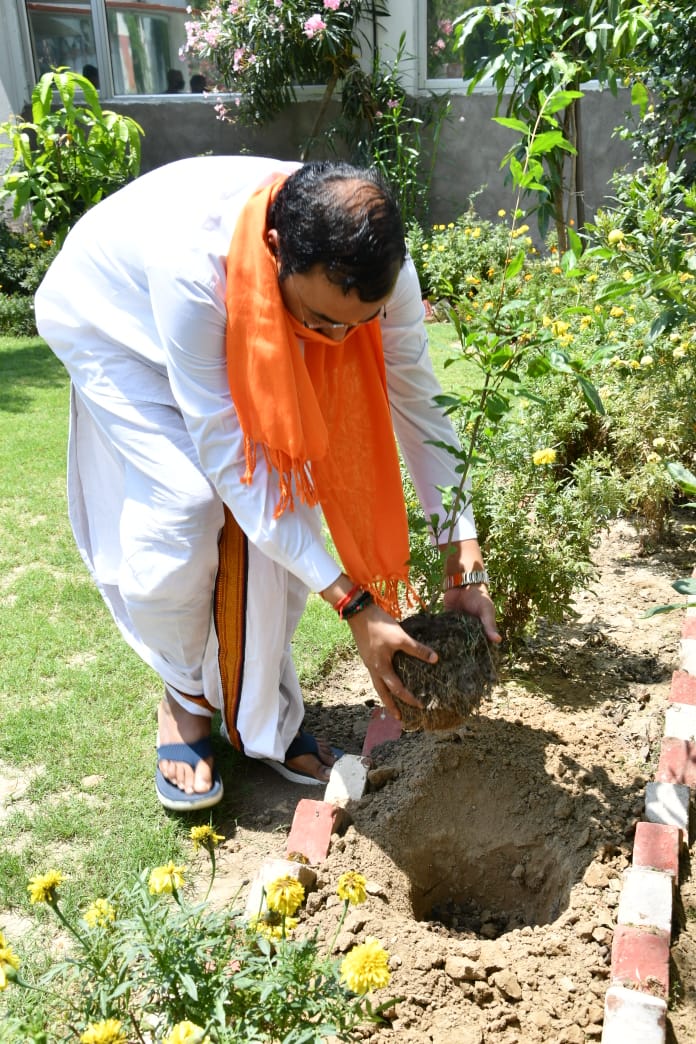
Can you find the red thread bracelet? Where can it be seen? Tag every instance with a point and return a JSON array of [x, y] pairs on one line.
[[343, 602]]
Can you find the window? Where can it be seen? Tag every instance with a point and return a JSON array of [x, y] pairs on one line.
[[444, 61], [141, 49]]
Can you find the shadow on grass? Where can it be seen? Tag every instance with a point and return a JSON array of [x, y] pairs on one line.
[[26, 364]]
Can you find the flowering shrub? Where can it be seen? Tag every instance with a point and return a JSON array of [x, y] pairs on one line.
[[263, 49], [148, 964]]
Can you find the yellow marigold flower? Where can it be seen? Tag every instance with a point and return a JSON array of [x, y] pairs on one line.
[[630, 321], [366, 967], [205, 837], [591, 278], [659, 442], [616, 312], [100, 913], [42, 889], [502, 213], [351, 887], [32, 246], [272, 926], [528, 276], [440, 249], [679, 353], [597, 309], [685, 277], [559, 326], [627, 275], [653, 458], [491, 272], [585, 322], [185, 1033], [634, 364], [107, 1032], [472, 279], [556, 270], [647, 360], [565, 339], [166, 879], [544, 456], [8, 960], [546, 320], [450, 224], [284, 895], [615, 236], [476, 233]]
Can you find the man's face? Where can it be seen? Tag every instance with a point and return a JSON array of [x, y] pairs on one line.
[[320, 305]]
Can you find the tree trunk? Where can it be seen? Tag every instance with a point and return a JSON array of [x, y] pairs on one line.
[[328, 93], [579, 170]]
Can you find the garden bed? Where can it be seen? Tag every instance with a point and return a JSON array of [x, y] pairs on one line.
[[494, 852]]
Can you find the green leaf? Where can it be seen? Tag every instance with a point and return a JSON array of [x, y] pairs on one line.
[[685, 479], [660, 609], [591, 395], [561, 100], [513, 124], [515, 265], [685, 586], [640, 97]]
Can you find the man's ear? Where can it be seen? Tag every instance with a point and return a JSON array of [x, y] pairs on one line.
[[273, 241]]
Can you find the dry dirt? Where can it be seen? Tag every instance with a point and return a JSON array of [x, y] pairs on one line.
[[494, 852]]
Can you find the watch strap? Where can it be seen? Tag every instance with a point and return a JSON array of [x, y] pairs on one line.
[[477, 576]]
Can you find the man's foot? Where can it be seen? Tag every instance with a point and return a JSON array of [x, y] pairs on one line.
[[317, 765], [176, 725], [307, 760]]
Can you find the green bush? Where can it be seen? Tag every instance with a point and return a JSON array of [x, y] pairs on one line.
[[453, 261]]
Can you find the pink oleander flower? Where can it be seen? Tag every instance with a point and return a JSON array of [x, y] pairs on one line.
[[313, 26], [332, 5], [445, 26], [239, 54], [392, 103]]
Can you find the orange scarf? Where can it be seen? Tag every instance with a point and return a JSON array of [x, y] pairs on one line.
[[321, 419]]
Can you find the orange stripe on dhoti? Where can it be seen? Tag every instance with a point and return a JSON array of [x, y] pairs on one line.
[[230, 620]]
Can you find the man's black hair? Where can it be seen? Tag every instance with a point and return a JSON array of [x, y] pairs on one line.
[[353, 231]]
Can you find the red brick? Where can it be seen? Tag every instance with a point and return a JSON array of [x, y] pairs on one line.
[[689, 627], [677, 762], [640, 956], [313, 824], [656, 847], [683, 688], [381, 729]]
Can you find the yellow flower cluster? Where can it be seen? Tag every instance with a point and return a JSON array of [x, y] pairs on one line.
[[544, 456], [205, 837], [186, 1032], [284, 895], [8, 960], [351, 887], [42, 889], [366, 967], [164, 880], [99, 914], [272, 926], [110, 1031]]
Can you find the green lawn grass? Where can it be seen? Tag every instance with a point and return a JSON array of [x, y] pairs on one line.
[[77, 705]]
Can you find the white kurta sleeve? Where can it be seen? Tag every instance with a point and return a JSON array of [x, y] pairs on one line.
[[191, 319], [412, 386]]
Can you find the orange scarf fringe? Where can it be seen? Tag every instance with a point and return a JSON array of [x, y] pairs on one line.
[[320, 417]]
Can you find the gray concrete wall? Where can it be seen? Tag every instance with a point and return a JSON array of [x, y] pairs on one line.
[[468, 159]]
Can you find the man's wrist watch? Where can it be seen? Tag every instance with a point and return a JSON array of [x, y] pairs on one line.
[[477, 576]]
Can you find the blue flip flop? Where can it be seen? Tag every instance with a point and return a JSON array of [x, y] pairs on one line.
[[303, 743], [171, 796]]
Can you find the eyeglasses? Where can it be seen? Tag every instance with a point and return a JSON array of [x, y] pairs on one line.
[[327, 325]]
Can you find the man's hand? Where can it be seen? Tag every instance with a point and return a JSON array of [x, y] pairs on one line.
[[475, 600], [378, 636]]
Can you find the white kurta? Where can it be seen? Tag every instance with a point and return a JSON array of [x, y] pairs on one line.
[[134, 306]]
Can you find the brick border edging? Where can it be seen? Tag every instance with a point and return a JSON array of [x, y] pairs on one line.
[[635, 1007]]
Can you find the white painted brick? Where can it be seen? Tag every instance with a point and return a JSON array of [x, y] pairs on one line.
[[680, 721], [668, 803], [269, 871], [347, 781], [646, 899], [688, 655], [632, 1017]]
